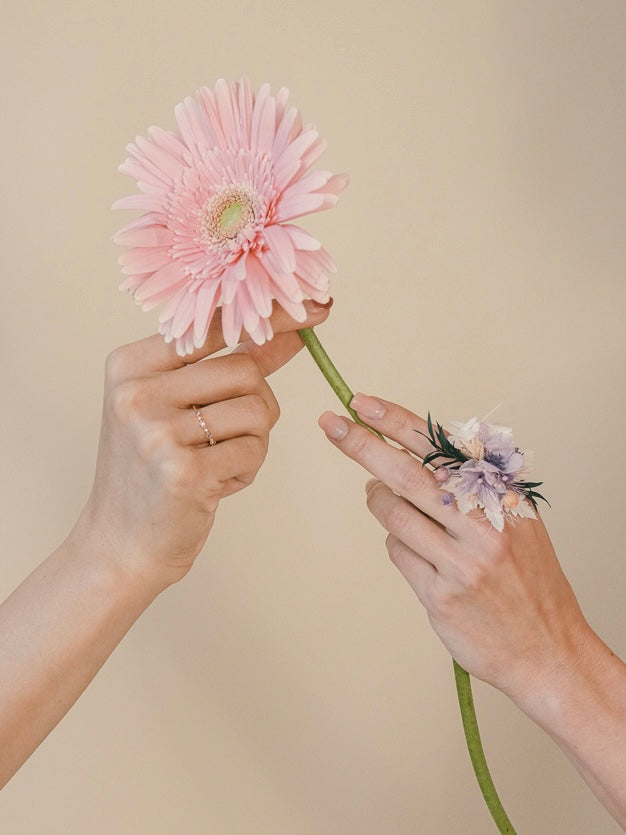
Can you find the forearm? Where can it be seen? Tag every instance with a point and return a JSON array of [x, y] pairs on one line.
[[56, 630], [583, 708]]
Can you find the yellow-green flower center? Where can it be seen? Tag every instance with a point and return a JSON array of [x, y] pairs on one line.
[[230, 217], [229, 210]]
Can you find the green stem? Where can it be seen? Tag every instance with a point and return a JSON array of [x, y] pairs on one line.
[[476, 752], [461, 676], [337, 383]]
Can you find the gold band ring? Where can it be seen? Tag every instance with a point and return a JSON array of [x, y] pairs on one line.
[[207, 433]]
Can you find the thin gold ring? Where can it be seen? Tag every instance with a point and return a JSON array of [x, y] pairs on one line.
[[210, 439]]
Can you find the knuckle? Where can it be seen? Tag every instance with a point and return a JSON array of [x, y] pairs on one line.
[[398, 517], [126, 400], [247, 371], [261, 411], [358, 442], [155, 440], [178, 474], [372, 497], [273, 408], [255, 450], [394, 548], [115, 366], [399, 419], [257, 405], [411, 476], [445, 602]]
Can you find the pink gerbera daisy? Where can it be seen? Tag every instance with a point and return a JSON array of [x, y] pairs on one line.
[[217, 199]]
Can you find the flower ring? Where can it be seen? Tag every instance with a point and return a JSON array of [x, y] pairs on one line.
[[482, 468]]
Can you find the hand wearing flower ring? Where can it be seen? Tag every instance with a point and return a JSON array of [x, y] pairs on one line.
[[499, 601]]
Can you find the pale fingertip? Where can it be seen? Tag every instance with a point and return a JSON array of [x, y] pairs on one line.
[[367, 407], [371, 483], [335, 427]]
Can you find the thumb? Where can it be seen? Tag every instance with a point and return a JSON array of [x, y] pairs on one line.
[[276, 352]]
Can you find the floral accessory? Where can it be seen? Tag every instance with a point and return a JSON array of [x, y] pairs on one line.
[[483, 469], [218, 197]]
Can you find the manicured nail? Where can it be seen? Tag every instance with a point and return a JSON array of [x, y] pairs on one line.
[[316, 307], [335, 427], [367, 407]]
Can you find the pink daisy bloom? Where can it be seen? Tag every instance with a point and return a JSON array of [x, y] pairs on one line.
[[218, 197]]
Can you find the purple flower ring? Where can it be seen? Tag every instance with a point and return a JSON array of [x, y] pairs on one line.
[[480, 467]]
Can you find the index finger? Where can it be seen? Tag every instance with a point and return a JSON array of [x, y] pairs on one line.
[[403, 473], [154, 354], [393, 421]]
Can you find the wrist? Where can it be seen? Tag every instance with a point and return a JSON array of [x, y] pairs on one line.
[[92, 542], [575, 688]]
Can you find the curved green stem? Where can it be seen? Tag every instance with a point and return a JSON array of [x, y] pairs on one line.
[[461, 676], [476, 752]]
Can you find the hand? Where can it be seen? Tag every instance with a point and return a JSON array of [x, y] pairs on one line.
[[158, 483], [499, 601]]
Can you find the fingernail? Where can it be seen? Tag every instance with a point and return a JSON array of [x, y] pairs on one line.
[[367, 407], [335, 427], [314, 307], [369, 484]]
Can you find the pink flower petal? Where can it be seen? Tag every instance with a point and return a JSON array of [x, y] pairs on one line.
[[258, 283], [183, 317], [144, 232], [194, 127], [230, 285], [163, 296], [152, 155], [208, 296], [167, 314], [149, 236], [336, 184], [141, 173], [294, 151], [170, 275], [286, 281], [148, 202], [246, 103], [283, 131], [298, 205], [208, 104], [258, 334], [144, 259], [246, 306], [301, 239], [231, 323], [225, 112], [176, 154], [263, 121], [296, 310], [311, 268], [281, 104], [131, 282], [279, 242], [315, 181]]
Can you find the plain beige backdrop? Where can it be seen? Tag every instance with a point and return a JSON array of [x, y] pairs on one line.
[[291, 685]]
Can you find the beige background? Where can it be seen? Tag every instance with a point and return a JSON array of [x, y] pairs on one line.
[[291, 684]]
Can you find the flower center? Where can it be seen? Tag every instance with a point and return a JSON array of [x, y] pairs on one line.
[[227, 212]]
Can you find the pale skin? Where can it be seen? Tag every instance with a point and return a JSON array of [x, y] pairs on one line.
[[156, 491], [499, 602]]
